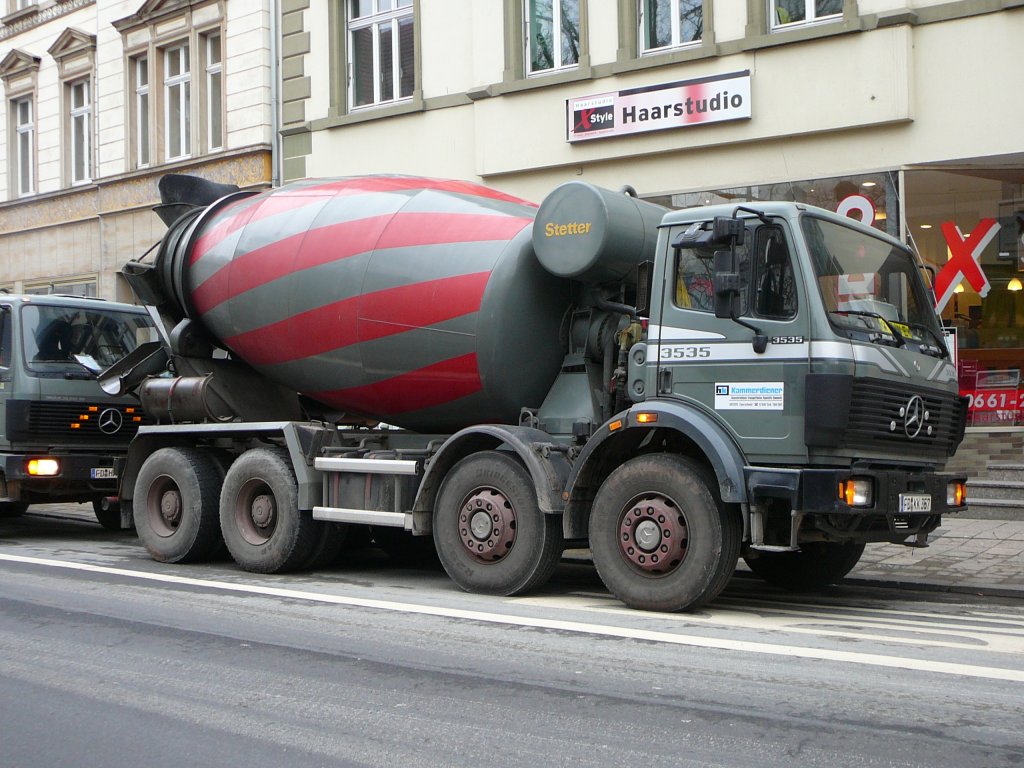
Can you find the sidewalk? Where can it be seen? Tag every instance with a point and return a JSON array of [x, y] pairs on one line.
[[983, 557]]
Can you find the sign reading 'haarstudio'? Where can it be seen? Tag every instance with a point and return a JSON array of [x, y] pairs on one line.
[[656, 107]]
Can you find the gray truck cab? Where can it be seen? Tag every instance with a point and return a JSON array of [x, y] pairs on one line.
[[61, 438], [811, 341]]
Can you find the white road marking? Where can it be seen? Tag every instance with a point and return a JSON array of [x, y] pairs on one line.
[[669, 638]]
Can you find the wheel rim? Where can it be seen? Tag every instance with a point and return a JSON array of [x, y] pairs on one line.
[[255, 512], [487, 525], [164, 506], [652, 534]]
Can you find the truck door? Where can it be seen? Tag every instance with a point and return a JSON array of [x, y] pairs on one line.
[[711, 362]]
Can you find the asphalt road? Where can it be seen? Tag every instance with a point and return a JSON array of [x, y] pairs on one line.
[[110, 659]]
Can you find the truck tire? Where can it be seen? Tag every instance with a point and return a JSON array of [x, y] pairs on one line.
[[817, 564], [328, 546], [263, 528], [175, 504], [490, 535], [661, 538], [13, 508]]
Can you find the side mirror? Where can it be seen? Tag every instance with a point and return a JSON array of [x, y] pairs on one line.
[[728, 230], [726, 284]]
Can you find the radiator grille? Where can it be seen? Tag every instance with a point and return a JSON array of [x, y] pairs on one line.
[[879, 414]]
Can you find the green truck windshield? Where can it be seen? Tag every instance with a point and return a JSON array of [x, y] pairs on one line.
[[58, 338], [868, 284]]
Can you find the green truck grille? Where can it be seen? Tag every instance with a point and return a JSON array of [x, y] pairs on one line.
[[74, 421]]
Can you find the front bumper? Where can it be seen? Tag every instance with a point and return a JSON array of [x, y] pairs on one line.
[[76, 480]]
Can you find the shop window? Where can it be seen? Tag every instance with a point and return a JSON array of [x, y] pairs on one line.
[[668, 24], [75, 286], [786, 13], [552, 35], [381, 52]]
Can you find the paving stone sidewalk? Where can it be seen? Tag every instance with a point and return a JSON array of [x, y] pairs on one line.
[[968, 556]]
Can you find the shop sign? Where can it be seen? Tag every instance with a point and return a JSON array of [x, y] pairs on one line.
[[965, 261], [657, 107]]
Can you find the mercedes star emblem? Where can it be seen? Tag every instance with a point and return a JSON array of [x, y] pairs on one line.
[[913, 419], [111, 421]]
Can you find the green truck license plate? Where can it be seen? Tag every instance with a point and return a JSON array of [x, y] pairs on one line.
[[103, 473], [915, 502]]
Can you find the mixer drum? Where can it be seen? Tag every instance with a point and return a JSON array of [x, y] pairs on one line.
[[414, 301]]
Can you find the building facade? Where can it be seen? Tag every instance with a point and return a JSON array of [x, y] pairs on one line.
[[901, 111], [100, 99]]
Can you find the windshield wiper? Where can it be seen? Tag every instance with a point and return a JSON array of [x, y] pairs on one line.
[[894, 333], [939, 350]]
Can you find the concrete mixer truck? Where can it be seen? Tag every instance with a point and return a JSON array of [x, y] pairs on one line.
[[673, 389]]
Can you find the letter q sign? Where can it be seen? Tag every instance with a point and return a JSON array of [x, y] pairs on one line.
[[857, 207]]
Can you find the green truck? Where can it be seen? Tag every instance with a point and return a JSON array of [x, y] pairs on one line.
[[61, 438], [673, 389]]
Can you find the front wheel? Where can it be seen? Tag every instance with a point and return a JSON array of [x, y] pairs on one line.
[[661, 538], [263, 528], [13, 508], [175, 506], [490, 534], [817, 564], [107, 515]]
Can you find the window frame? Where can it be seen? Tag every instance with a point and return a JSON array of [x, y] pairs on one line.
[[212, 98], [183, 81], [676, 43], [79, 117], [22, 164], [556, 23], [60, 285], [810, 16], [141, 140], [393, 16]]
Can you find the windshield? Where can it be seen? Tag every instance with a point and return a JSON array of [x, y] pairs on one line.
[[58, 339], [870, 285]]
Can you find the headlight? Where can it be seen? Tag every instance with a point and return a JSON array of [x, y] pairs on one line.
[[956, 494], [857, 492]]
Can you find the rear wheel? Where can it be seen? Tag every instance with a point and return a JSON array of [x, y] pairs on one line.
[[817, 564], [259, 514], [490, 534], [660, 536], [175, 505]]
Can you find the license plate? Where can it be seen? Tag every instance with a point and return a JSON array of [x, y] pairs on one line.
[[103, 473], [915, 502]]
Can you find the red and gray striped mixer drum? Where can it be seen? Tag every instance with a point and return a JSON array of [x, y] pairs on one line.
[[415, 301]]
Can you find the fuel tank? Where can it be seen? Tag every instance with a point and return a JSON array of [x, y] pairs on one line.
[[418, 302]]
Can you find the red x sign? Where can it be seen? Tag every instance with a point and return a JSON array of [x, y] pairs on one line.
[[965, 261]]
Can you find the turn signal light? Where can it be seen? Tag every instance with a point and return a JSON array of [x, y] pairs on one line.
[[43, 467], [956, 494], [646, 418], [857, 492]]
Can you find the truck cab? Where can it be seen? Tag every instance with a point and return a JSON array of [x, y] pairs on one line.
[[61, 438], [810, 341]]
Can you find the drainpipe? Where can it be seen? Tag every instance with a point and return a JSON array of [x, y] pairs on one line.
[[275, 96]]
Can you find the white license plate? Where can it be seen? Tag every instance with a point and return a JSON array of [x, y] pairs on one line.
[[915, 502], [103, 473]]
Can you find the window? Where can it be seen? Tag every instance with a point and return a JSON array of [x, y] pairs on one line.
[[785, 12], [177, 103], [213, 93], [775, 286], [553, 34], [381, 51], [670, 23], [141, 109], [80, 116], [24, 146]]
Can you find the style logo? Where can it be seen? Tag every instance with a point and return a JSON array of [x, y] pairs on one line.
[[913, 416], [593, 119], [111, 421]]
